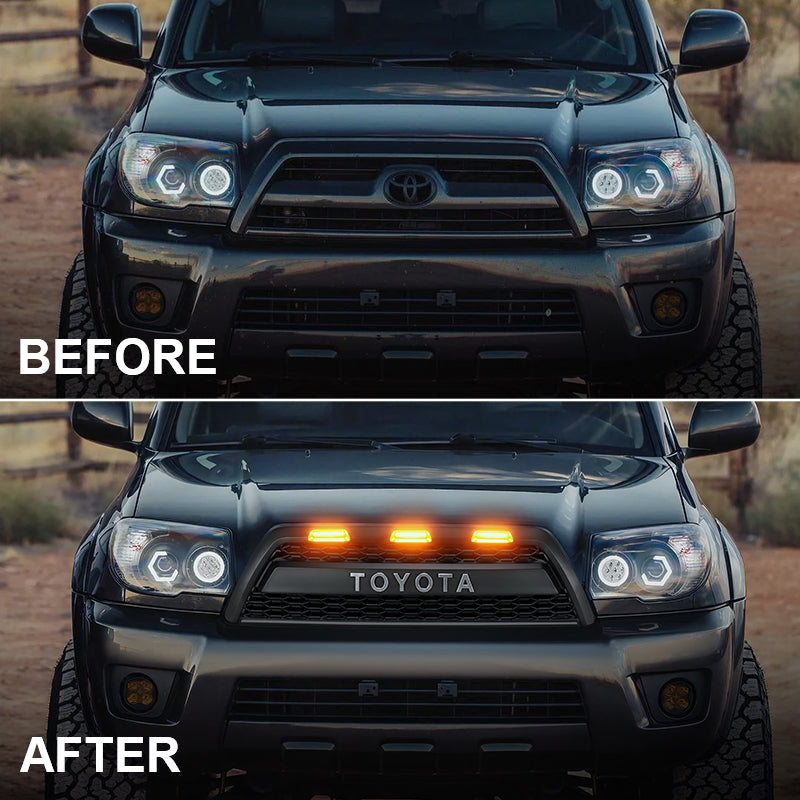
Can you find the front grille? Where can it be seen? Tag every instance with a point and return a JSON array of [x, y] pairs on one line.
[[344, 194], [350, 169], [558, 608], [417, 701], [407, 310], [388, 220]]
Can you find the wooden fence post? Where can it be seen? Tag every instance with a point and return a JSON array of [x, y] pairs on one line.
[[730, 95], [85, 92], [74, 447]]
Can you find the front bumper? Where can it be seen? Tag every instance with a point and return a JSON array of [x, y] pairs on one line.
[[203, 273], [610, 661]]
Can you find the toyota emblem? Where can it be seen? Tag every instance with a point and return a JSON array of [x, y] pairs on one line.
[[409, 188]]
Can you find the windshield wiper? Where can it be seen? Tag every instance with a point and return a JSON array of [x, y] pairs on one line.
[[471, 441], [266, 58], [469, 58]]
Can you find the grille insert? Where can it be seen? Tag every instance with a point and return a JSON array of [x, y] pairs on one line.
[[344, 194], [264, 607], [369, 168], [418, 701], [407, 309], [388, 220]]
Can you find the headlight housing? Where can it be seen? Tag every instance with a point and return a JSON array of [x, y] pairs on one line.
[[660, 563], [654, 176], [165, 558], [175, 172]]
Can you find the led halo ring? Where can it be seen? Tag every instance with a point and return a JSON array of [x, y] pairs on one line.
[[613, 570], [667, 574], [607, 183], [151, 565], [172, 191], [215, 179], [213, 560]]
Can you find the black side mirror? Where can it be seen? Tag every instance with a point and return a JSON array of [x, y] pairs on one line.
[[719, 427], [105, 422], [113, 31], [713, 38]]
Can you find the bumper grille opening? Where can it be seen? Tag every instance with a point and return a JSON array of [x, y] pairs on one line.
[[417, 701], [452, 609], [407, 309]]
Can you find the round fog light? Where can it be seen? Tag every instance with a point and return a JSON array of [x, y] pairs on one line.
[[147, 302], [139, 693], [677, 697], [669, 306]]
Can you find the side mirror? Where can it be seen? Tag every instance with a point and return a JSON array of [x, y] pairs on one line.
[[105, 422], [719, 427], [713, 38], [113, 32]]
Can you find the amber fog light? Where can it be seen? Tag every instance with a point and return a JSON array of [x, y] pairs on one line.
[[139, 693], [677, 697], [147, 302], [669, 306]]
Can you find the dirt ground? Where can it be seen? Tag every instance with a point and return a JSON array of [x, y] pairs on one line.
[[40, 234], [35, 623]]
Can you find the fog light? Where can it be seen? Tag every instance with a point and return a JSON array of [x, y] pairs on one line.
[[669, 306], [139, 693], [147, 302], [677, 697]]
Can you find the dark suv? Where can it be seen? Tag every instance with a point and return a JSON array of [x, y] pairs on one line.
[[350, 191], [410, 599]]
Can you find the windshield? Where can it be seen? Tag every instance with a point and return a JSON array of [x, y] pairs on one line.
[[589, 33], [606, 427]]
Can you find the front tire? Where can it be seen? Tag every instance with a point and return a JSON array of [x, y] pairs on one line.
[[733, 368], [66, 718], [77, 322], [741, 769]]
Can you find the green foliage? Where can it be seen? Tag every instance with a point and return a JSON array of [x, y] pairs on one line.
[[774, 133], [30, 127], [776, 519], [27, 517]]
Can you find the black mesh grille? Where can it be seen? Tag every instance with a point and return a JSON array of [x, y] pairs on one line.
[[447, 609], [418, 701], [332, 219], [406, 309], [368, 168]]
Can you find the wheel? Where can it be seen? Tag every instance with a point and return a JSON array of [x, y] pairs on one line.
[[77, 322], [65, 718], [733, 369], [742, 767]]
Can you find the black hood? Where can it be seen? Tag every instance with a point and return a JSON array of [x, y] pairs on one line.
[[558, 107], [570, 494]]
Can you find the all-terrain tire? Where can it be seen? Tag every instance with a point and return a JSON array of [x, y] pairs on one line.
[[80, 781], [742, 767], [77, 322], [733, 369]]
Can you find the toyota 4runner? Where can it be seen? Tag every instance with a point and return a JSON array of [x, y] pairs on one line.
[[344, 192], [415, 599]]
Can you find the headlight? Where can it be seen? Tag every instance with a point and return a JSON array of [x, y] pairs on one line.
[[661, 563], [168, 558], [650, 176], [174, 172]]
